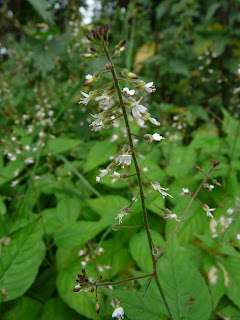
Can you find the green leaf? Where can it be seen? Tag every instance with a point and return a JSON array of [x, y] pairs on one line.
[[42, 9], [177, 276], [181, 162], [68, 210], [139, 249], [139, 307], [24, 308], [99, 154], [77, 233], [59, 145], [20, 261], [56, 309], [232, 278]]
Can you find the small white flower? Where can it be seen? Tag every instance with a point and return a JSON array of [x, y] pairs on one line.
[[18, 151], [118, 313], [125, 159], [29, 160], [153, 137], [185, 192], [104, 101], [80, 253], [157, 137], [14, 183], [16, 172], [116, 175], [149, 87], [41, 134], [138, 109], [103, 173], [101, 250], [83, 263], [12, 157], [13, 139], [128, 92], [230, 211], [89, 76], [156, 186], [84, 100], [238, 236], [208, 210], [96, 124], [27, 147], [114, 138], [154, 121]]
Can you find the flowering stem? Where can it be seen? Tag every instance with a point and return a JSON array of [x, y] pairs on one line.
[[122, 281], [140, 185], [186, 210]]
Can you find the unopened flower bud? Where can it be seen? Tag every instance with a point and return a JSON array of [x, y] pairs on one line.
[[198, 168], [122, 49], [87, 55], [122, 43], [215, 163], [97, 307], [106, 27], [94, 49], [83, 271], [218, 184], [89, 37], [132, 75], [108, 66], [99, 277]]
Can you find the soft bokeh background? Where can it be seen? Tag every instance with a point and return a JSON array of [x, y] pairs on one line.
[[55, 217]]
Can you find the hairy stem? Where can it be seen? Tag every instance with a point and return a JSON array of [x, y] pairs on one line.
[[140, 185]]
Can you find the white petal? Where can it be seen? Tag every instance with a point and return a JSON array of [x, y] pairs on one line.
[[135, 112], [128, 159], [149, 84], [154, 121], [88, 76], [141, 108], [84, 94]]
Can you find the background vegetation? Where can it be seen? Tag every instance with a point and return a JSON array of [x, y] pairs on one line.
[[54, 216]]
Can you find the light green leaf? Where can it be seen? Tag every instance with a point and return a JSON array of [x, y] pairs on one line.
[[20, 261], [68, 210], [99, 154], [180, 282], [59, 145], [42, 9], [77, 233], [56, 309], [139, 249], [137, 307], [24, 308], [232, 278]]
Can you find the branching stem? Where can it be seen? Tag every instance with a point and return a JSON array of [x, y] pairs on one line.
[[140, 185]]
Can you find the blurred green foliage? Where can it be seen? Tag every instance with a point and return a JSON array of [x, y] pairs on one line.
[[52, 208]]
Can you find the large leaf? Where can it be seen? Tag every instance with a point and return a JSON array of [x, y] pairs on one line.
[[56, 309], [139, 307], [99, 154], [231, 271], [60, 144], [20, 261], [24, 308], [42, 9], [179, 279]]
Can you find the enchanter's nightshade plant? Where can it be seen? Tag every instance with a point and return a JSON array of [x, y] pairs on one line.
[[116, 102]]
